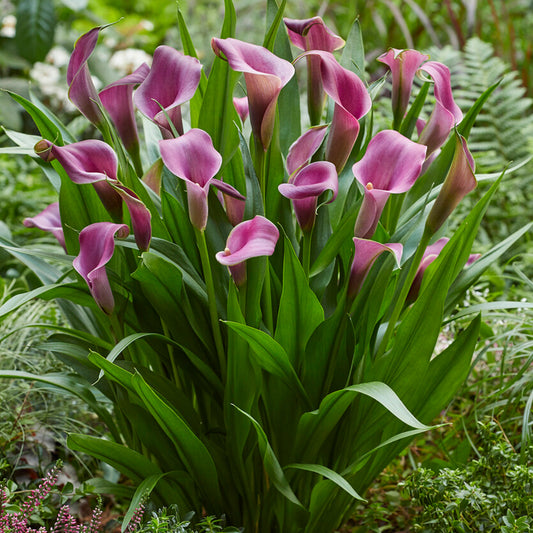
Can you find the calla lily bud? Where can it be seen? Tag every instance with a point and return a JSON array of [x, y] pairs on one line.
[[97, 244], [458, 183], [265, 75], [366, 253], [48, 220], [251, 238], [306, 186], [241, 106], [391, 165]]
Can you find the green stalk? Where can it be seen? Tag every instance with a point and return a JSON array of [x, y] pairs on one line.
[[306, 252], [260, 167], [267, 301], [211, 298], [398, 306]]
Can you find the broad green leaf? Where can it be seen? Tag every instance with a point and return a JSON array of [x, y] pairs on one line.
[[409, 122], [38, 105], [353, 53], [36, 23], [143, 491], [272, 31]]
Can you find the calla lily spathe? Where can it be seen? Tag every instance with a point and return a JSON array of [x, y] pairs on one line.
[[303, 148], [172, 81], [97, 244], [241, 106], [265, 75], [306, 186], [193, 158], [252, 238], [391, 165], [48, 220]]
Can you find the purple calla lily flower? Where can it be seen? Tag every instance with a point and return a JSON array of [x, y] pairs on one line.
[[48, 220], [265, 75], [403, 65], [391, 165], [81, 89], [303, 148], [459, 181], [241, 105], [352, 102], [251, 238], [366, 253], [193, 158], [97, 244], [313, 34], [305, 188], [117, 98], [172, 81]]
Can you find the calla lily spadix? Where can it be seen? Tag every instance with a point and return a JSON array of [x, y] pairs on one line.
[[97, 244], [352, 102], [265, 75], [303, 148], [117, 98], [391, 165], [193, 158], [252, 238], [313, 34], [366, 253], [81, 89], [306, 186], [48, 220], [172, 81]]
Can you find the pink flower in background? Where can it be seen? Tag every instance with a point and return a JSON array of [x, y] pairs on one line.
[[48, 220]]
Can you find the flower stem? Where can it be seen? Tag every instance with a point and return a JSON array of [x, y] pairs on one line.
[[306, 252], [267, 301], [260, 167], [211, 298]]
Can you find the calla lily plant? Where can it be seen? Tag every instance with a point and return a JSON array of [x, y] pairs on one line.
[[244, 296]]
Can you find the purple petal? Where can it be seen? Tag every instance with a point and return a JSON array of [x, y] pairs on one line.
[[153, 176], [312, 34], [304, 148], [374, 201], [117, 98], [313, 180], [366, 253], [172, 80], [97, 245], [234, 208], [197, 203], [391, 162], [82, 91], [437, 128], [226, 188], [430, 254], [48, 220], [343, 133], [403, 65], [251, 238], [264, 73], [241, 105]]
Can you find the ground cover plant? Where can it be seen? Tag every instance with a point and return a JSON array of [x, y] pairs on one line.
[[262, 351]]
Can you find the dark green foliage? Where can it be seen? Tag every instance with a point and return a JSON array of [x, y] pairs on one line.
[[36, 23]]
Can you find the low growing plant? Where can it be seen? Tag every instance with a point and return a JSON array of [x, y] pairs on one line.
[[262, 351]]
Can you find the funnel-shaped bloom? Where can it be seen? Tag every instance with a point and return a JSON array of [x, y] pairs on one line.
[[313, 34], [391, 164], [303, 148], [97, 244], [193, 158], [459, 181], [352, 102], [241, 106], [117, 98], [366, 253], [403, 65], [81, 89], [264, 74], [172, 81], [48, 220], [306, 186], [251, 238]]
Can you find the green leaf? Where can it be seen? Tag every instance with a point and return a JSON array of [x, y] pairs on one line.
[[36, 23], [270, 36], [141, 494], [271, 463], [353, 53]]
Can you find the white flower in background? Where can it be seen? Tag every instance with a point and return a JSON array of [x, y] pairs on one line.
[[126, 61], [147, 25], [47, 76], [97, 82], [58, 56], [9, 23]]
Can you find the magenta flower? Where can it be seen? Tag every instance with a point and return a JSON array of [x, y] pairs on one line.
[[97, 245], [193, 158], [81, 89], [352, 102], [306, 186], [48, 220], [172, 81], [459, 181], [241, 106], [303, 148], [313, 34], [403, 65], [265, 75], [117, 98], [366, 253], [251, 238], [391, 165]]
